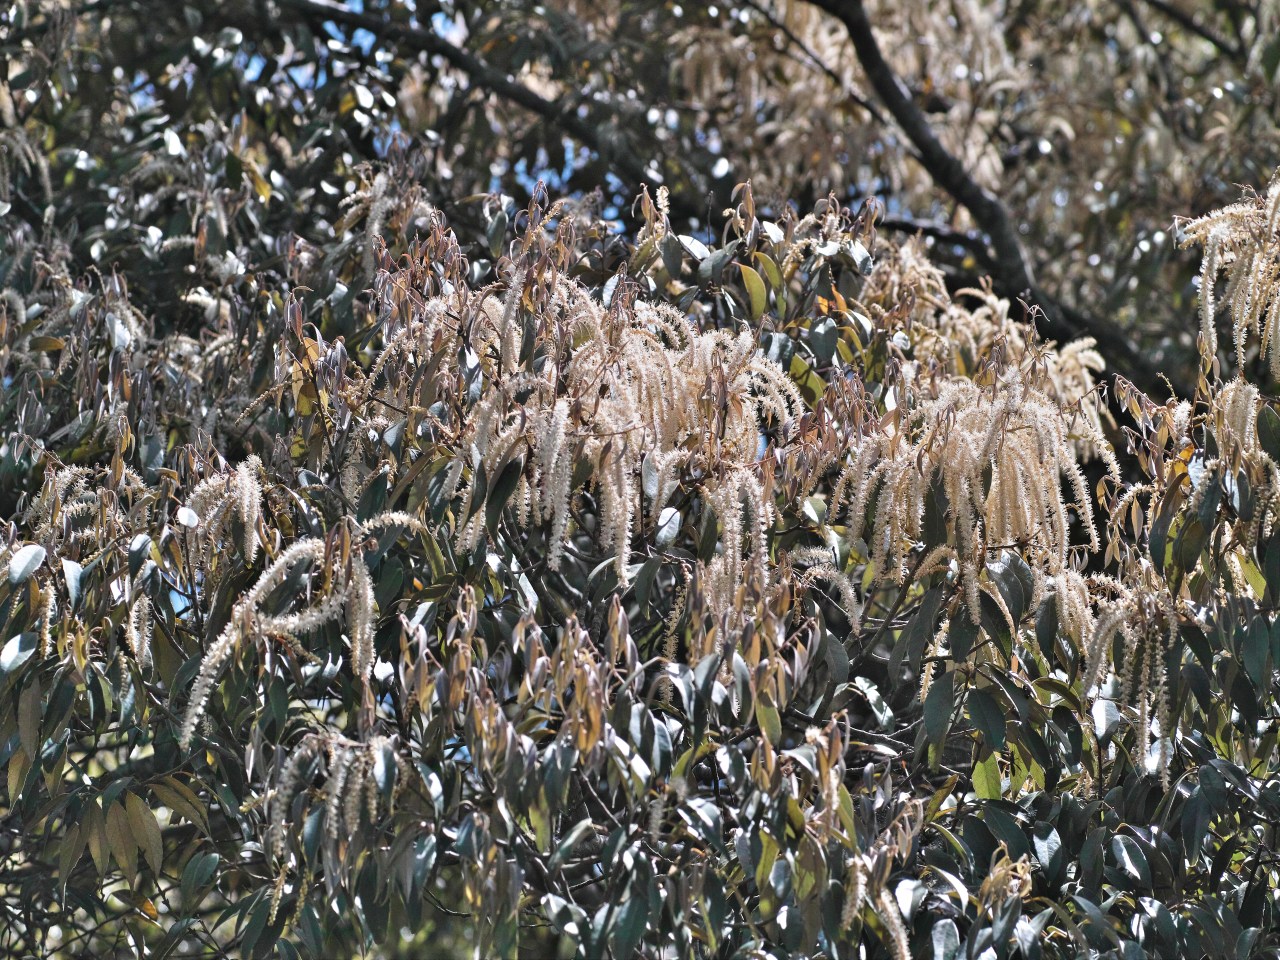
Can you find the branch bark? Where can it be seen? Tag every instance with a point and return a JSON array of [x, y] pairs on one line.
[[1011, 266], [481, 75], [1190, 23]]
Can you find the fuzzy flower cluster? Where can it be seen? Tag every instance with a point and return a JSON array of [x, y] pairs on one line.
[[1144, 615], [866, 874], [214, 501], [339, 591], [960, 335], [1001, 454], [629, 391], [1241, 241]]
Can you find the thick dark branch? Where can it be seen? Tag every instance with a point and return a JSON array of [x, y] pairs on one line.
[[1190, 23], [942, 233], [946, 170], [1010, 266], [481, 75]]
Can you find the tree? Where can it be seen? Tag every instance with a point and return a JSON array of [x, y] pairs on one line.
[[401, 557]]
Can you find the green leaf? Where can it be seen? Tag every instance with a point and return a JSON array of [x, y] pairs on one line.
[[139, 551], [29, 718], [987, 717], [672, 255], [1005, 828], [937, 708], [770, 722], [496, 232], [575, 836], [962, 636], [946, 940], [121, 841], [1189, 543], [810, 384], [914, 639], [71, 572], [198, 872], [768, 855], [1131, 860], [823, 335], [711, 269], [1048, 848], [1014, 580], [630, 925], [501, 491], [17, 652], [25, 562], [696, 248], [814, 510], [179, 798], [1047, 628], [385, 766], [1257, 650], [1269, 428], [233, 167]]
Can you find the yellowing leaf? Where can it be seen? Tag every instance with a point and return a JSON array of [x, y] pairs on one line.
[[261, 186], [768, 854], [70, 850], [19, 764], [769, 269], [29, 719], [178, 797], [96, 833], [986, 778], [146, 831], [756, 291], [1253, 576], [120, 840], [770, 722]]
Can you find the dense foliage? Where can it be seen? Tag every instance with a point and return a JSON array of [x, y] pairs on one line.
[[391, 565]]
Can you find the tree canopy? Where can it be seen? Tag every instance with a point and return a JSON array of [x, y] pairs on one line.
[[751, 479]]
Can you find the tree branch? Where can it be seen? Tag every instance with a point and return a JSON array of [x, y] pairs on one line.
[[1188, 22], [946, 170], [481, 75], [1011, 267], [816, 60], [942, 233]]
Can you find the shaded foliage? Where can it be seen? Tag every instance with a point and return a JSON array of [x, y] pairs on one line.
[[391, 564]]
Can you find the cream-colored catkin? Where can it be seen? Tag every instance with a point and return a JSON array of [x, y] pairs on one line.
[[249, 495], [46, 617], [282, 797], [1096, 653], [891, 916], [304, 887], [855, 892], [217, 654], [360, 620], [277, 892], [138, 630], [246, 620], [657, 810], [339, 768]]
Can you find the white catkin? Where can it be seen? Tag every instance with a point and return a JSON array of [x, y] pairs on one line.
[[360, 621], [138, 630]]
